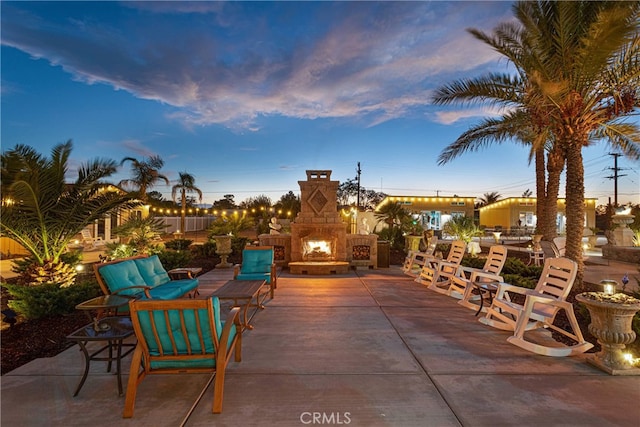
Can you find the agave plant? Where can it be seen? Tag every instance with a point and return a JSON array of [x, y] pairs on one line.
[[43, 212]]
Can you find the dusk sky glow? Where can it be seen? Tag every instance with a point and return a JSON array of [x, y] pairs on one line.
[[246, 96]]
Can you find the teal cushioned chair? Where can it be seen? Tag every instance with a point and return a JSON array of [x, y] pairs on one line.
[[257, 264], [182, 336]]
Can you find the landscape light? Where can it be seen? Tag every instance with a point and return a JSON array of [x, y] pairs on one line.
[[608, 286]]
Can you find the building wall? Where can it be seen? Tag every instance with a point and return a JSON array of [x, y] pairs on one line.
[[433, 212], [506, 213]]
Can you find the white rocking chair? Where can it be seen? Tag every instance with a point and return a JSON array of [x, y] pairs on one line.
[[462, 286], [437, 273], [415, 260], [539, 309]]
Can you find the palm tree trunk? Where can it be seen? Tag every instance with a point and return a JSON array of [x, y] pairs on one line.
[[575, 206], [555, 164], [541, 192]]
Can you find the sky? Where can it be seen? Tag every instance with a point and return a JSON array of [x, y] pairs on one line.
[[247, 96]]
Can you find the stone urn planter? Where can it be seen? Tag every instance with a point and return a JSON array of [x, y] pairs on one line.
[[611, 317], [412, 243], [223, 248], [536, 238]]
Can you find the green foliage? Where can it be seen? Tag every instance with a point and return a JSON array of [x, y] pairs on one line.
[[238, 244], [174, 259], [178, 244], [48, 212], [472, 262], [394, 236], [35, 302], [517, 266], [115, 250], [514, 272], [517, 280], [230, 224], [462, 228], [207, 249], [142, 234]]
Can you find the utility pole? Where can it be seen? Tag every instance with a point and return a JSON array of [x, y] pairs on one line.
[[358, 171], [615, 177]]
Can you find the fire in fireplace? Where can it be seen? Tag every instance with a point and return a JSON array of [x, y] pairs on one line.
[[317, 249]]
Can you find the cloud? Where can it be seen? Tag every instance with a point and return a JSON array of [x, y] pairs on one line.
[[453, 116], [232, 64], [137, 147]]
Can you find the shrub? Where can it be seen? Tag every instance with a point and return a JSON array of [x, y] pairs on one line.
[[394, 236], [174, 259], [178, 244], [35, 302], [462, 228], [238, 244], [207, 249], [116, 250]]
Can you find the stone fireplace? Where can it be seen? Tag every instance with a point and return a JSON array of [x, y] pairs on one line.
[[318, 235]]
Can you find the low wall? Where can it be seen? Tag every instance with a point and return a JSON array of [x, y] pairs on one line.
[[622, 253]]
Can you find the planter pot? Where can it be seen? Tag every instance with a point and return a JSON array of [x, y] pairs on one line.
[[611, 325], [412, 243], [536, 238], [223, 248]]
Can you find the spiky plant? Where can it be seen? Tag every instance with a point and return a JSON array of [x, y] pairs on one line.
[[43, 212]]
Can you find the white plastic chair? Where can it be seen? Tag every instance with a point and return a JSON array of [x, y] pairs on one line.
[[437, 273], [415, 260], [462, 285], [540, 307]]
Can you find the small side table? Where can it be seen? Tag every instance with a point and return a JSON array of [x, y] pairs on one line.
[[536, 257], [485, 289], [103, 304], [119, 329], [189, 272]]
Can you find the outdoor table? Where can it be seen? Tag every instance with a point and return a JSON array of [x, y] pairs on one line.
[[536, 257], [103, 304], [245, 291], [189, 272], [119, 328]]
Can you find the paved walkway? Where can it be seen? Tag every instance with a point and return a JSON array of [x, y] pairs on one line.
[[368, 348]]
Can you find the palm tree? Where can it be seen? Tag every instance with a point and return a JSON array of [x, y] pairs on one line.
[[186, 184], [585, 82], [577, 74], [489, 198], [44, 213], [146, 174]]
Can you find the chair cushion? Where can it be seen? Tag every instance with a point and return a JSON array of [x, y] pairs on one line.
[[254, 276], [170, 290], [152, 271], [122, 275], [257, 261], [204, 355]]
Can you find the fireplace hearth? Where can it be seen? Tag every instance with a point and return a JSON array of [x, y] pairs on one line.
[[318, 235]]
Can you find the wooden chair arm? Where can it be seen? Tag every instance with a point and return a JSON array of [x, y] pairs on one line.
[[232, 320], [145, 289]]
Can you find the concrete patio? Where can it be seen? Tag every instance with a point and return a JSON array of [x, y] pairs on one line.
[[368, 348]]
